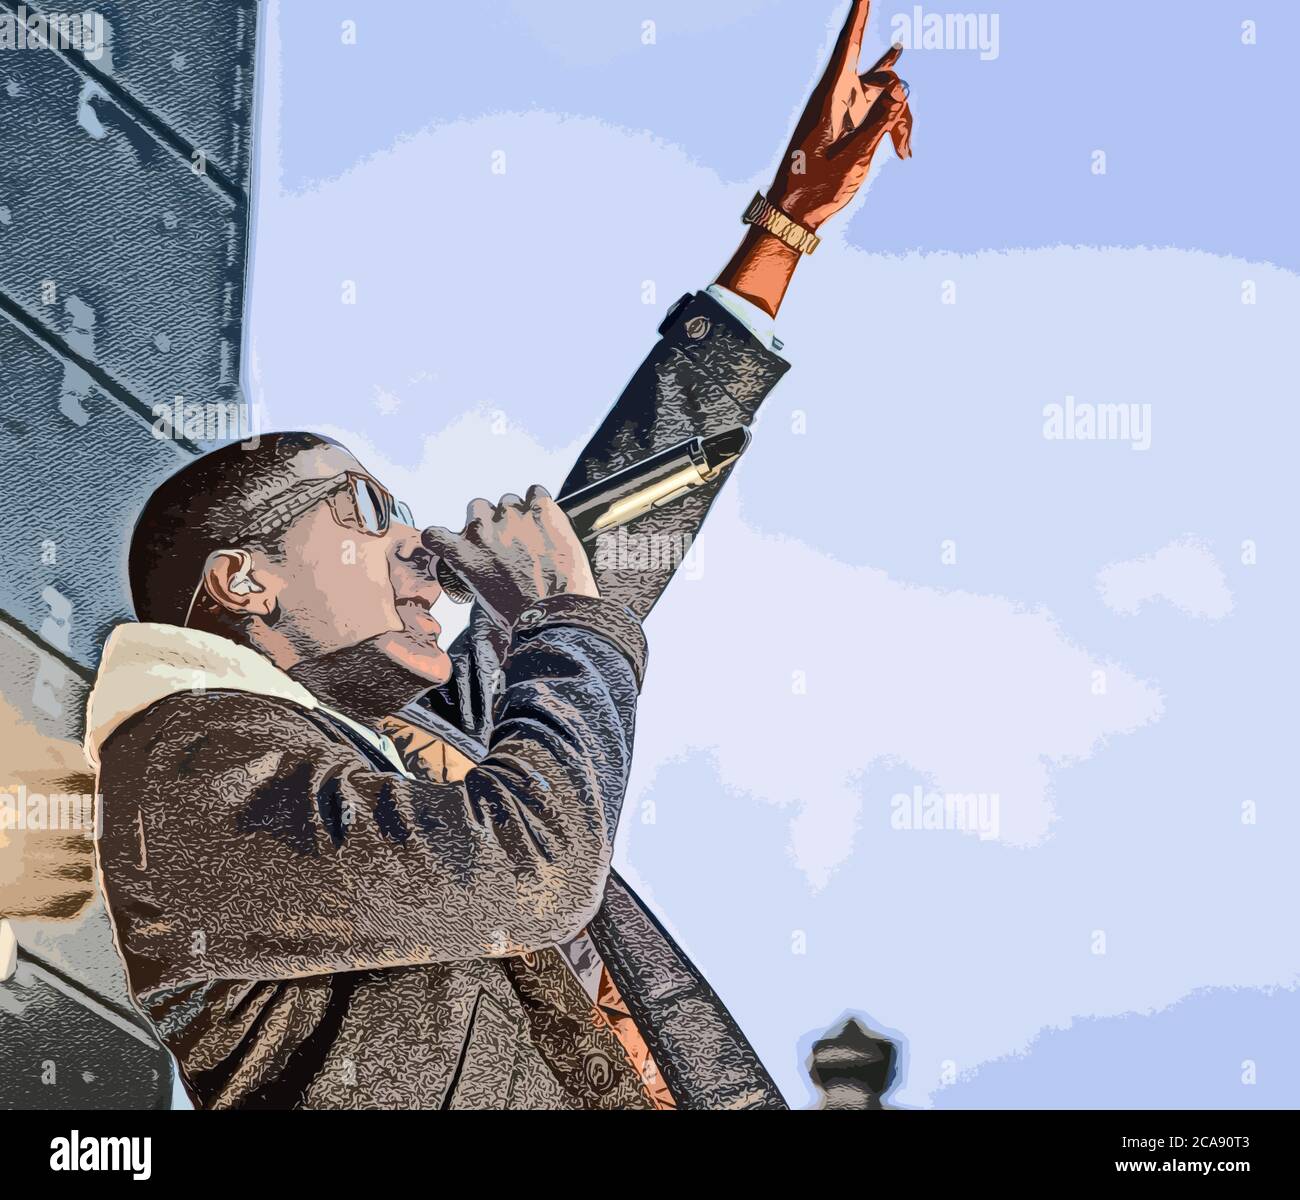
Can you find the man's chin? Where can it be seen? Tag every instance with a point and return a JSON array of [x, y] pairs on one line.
[[419, 656], [443, 668]]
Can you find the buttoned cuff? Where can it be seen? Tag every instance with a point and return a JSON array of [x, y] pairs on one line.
[[724, 348], [613, 621]]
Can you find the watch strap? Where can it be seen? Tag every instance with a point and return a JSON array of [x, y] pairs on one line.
[[763, 213]]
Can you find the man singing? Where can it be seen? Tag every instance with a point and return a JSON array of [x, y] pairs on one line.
[[347, 868]]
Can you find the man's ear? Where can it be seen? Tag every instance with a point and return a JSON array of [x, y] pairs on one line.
[[229, 579]]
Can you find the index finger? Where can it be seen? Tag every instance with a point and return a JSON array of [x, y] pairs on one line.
[[849, 45]]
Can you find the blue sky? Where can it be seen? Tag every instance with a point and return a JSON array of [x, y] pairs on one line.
[[1193, 121]]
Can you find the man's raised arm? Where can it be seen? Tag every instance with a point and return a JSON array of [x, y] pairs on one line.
[[716, 362]]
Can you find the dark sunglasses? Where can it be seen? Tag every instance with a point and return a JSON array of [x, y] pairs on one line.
[[356, 502]]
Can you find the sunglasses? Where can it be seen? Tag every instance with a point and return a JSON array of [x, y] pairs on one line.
[[356, 501]]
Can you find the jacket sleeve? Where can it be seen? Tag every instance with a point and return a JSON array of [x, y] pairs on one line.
[[242, 839], [707, 373]]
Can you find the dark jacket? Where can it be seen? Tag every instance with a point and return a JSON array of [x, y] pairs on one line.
[[307, 926]]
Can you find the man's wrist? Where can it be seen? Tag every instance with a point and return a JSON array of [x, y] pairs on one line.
[[763, 214], [761, 269], [774, 246]]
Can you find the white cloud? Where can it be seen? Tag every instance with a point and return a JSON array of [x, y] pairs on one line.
[[1185, 573]]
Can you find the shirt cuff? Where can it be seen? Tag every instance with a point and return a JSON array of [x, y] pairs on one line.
[[759, 323]]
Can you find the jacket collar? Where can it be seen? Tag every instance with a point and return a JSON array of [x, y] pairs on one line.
[[143, 663]]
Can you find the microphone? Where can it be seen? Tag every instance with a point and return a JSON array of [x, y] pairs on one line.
[[619, 498]]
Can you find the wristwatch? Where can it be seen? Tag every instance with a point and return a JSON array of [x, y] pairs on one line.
[[763, 213]]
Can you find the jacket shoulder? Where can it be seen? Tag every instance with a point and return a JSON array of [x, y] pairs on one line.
[[176, 724]]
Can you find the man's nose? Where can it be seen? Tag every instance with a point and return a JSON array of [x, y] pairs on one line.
[[408, 552]]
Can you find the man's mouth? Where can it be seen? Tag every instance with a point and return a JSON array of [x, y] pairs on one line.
[[423, 604]]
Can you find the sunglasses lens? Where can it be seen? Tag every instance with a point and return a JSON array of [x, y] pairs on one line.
[[372, 508], [403, 513]]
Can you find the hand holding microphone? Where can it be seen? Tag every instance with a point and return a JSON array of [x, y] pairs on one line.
[[661, 479], [514, 552]]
